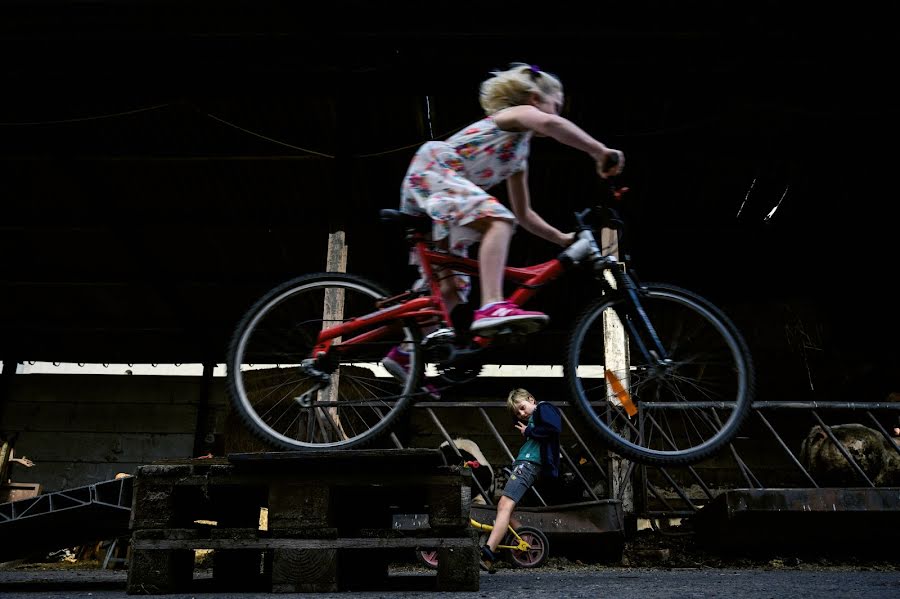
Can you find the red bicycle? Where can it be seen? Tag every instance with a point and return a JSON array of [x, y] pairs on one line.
[[661, 373]]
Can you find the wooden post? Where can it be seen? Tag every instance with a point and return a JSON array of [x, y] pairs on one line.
[[205, 425], [333, 314], [609, 242], [616, 359], [6, 378]]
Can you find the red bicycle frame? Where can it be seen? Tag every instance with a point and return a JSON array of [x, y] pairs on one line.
[[420, 309]]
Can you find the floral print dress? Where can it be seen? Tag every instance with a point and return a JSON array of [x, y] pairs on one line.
[[448, 181]]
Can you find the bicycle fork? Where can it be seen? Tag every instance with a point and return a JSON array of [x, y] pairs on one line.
[[521, 545], [641, 331]]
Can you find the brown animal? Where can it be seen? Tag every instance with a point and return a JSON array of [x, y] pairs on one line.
[[874, 454]]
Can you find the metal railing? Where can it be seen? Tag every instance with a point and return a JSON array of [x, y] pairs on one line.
[[774, 451], [773, 428]]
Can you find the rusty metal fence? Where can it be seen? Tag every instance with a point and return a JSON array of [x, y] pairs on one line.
[[783, 445]]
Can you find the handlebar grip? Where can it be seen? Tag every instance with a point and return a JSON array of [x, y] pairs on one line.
[[580, 216], [612, 161]]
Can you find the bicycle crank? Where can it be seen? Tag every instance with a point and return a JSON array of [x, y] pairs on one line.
[[320, 381], [307, 398]]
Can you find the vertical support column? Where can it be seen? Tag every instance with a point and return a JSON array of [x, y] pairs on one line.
[[609, 242], [155, 514], [458, 569], [449, 500], [617, 360], [333, 314], [236, 509], [158, 571], [204, 429], [302, 510], [6, 378]]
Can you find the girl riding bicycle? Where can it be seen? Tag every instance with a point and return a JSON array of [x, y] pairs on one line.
[[449, 181]]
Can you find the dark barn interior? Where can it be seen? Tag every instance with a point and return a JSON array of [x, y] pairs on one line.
[[163, 164]]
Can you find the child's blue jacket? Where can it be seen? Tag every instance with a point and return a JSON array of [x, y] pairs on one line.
[[546, 429]]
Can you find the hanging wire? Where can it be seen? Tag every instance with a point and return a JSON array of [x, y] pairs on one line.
[[406, 147], [87, 118], [237, 127], [259, 135]]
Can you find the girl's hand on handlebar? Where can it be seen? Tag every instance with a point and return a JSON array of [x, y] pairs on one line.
[[567, 239], [610, 163]]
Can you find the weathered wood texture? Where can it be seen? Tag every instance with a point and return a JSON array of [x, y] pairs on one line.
[[329, 526]]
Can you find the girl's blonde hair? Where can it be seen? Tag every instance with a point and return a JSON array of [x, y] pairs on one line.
[[517, 396], [513, 86]]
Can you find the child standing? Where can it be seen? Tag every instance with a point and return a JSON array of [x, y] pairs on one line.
[[449, 181], [540, 423]]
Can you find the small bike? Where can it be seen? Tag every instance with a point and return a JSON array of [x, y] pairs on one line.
[[661, 373], [528, 546]]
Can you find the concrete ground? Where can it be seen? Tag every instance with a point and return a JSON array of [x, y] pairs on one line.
[[575, 582]]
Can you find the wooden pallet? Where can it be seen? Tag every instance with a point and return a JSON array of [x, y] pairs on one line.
[[332, 521]]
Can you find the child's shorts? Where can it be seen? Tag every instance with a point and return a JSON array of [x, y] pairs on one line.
[[521, 479]]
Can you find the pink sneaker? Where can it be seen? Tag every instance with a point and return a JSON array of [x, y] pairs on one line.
[[397, 363], [488, 321]]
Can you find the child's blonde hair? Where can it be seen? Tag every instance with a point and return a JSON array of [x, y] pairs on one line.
[[517, 396], [513, 86]]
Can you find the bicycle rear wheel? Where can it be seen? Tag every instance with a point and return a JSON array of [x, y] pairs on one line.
[[279, 400], [681, 411]]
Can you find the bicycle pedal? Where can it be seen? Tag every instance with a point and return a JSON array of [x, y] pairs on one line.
[[511, 335]]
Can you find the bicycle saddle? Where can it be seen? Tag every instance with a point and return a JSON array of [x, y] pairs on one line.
[[416, 222]]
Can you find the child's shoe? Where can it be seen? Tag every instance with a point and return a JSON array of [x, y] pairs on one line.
[[487, 321], [487, 559], [396, 362]]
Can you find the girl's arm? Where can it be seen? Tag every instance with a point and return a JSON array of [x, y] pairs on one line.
[[531, 221], [527, 117]]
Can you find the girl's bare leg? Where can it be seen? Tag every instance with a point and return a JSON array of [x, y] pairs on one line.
[[495, 237]]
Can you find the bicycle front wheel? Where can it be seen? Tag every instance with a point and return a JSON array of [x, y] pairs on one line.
[[539, 548], [287, 406], [672, 411]]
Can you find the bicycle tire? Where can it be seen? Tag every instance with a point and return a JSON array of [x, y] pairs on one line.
[[266, 385], [427, 558], [710, 376], [530, 558]]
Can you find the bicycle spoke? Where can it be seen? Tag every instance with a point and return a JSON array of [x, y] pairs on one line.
[[336, 396], [704, 371]]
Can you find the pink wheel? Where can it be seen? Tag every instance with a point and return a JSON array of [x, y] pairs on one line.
[[534, 557], [428, 558]]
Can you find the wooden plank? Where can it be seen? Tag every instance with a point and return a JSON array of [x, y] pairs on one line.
[[74, 417], [102, 446], [361, 460], [304, 571], [114, 389], [341, 543], [57, 476]]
